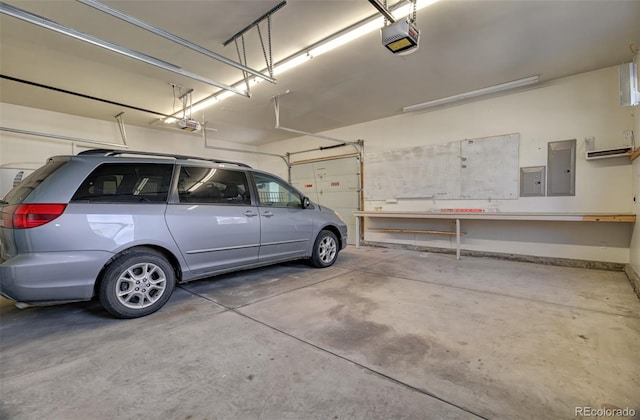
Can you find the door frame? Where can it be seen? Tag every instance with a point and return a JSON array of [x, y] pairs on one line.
[[358, 155]]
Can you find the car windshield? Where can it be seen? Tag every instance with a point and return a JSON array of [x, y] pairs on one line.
[[21, 191]]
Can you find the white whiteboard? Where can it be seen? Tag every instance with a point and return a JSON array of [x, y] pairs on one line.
[[484, 168]]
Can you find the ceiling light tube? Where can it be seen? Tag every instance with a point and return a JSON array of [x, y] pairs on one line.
[[338, 39], [210, 100], [289, 64], [347, 37], [474, 94], [364, 27], [407, 9], [217, 97]]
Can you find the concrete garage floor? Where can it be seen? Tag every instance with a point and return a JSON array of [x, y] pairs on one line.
[[384, 334]]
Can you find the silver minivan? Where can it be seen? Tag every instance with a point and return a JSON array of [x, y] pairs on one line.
[[127, 226]]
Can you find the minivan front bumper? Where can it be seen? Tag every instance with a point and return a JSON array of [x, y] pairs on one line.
[[51, 276]]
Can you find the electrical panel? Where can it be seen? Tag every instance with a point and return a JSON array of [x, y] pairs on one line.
[[532, 181], [561, 168]]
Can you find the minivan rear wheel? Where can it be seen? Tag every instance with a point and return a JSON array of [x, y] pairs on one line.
[[137, 283], [325, 250]]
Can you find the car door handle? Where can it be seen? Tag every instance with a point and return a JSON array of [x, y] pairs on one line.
[[250, 213], [267, 214]]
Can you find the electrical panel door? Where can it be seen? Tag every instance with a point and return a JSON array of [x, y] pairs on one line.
[[532, 181], [561, 168]]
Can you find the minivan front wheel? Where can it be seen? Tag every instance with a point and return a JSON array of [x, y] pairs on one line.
[[137, 283], [325, 250]]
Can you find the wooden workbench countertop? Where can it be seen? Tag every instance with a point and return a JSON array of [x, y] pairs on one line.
[[543, 216]]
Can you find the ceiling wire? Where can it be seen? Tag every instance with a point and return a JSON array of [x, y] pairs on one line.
[[82, 95], [243, 59], [173, 91], [268, 59]]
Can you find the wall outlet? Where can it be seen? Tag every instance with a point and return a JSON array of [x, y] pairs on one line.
[[628, 138], [590, 143]]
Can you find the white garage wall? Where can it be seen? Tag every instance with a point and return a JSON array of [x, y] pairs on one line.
[[575, 107], [635, 243], [17, 149]]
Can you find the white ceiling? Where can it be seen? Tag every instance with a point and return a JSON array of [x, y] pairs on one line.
[[465, 45]]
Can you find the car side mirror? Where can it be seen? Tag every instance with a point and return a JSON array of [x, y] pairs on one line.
[[306, 203]]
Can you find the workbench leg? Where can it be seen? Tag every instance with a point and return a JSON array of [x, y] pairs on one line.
[[457, 239]]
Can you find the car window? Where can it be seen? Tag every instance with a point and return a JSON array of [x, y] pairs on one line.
[[274, 192], [126, 183], [212, 185], [18, 193]]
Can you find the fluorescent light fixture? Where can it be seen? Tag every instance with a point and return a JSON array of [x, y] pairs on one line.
[[289, 64], [407, 9], [220, 97], [347, 37], [474, 94], [365, 28], [340, 38]]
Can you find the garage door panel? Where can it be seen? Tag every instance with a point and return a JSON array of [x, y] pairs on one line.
[[339, 166], [339, 199], [334, 183], [307, 186], [344, 182], [302, 171]]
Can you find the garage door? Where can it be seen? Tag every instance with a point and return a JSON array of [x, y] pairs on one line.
[[332, 182]]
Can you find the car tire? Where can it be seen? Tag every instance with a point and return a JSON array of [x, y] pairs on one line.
[[325, 250], [136, 283]]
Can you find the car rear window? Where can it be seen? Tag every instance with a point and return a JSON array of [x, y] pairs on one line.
[[21, 191], [126, 183]]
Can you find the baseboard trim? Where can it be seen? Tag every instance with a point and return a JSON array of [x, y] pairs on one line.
[[634, 278], [563, 262]]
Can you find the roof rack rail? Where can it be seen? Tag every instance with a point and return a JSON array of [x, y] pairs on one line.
[[116, 152]]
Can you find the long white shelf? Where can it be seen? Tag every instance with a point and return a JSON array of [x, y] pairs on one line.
[[462, 215], [560, 217]]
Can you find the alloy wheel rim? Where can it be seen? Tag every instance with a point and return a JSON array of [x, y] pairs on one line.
[[141, 285], [327, 250]]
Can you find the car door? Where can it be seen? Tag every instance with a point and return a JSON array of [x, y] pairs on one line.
[[286, 227], [213, 222]]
